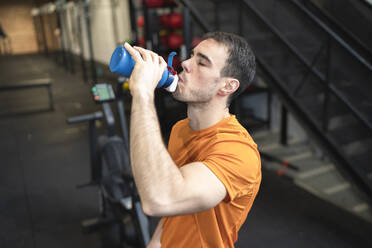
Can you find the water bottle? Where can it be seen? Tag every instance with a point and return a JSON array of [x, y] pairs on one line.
[[122, 62]]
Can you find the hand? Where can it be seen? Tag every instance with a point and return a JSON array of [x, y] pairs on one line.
[[153, 244], [147, 71]]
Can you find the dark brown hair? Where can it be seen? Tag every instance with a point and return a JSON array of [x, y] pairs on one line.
[[240, 64]]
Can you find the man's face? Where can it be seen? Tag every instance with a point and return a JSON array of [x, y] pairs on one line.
[[200, 79]]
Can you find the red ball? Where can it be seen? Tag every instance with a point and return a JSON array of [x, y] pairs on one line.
[[154, 3], [164, 20], [141, 41], [164, 40], [175, 20], [140, 21], [175, 41]]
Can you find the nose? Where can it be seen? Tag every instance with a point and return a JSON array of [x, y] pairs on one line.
[[186, 65]]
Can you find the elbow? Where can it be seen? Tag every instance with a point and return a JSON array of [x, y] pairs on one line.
[[154, 209]]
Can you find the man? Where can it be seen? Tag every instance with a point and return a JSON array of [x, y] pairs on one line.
[[205, 184]]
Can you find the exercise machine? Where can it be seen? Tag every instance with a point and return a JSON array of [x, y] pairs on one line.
[[122, 222]]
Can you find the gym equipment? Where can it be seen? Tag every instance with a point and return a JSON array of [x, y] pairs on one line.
[[141, 41], [5, 44], [154, 3], [122, 222], [175, 41], [29, 84], [164, 20], [173, 20], [122, 62], [141, 21]]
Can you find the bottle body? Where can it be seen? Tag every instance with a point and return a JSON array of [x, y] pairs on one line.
[[122, 62]]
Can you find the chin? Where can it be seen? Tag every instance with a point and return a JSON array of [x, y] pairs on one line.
[[176, 95]]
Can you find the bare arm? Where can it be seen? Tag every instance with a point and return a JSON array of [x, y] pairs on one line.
[[164, 189], [155, 240]]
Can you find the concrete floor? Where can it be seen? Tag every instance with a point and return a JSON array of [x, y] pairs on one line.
[[43, 159]]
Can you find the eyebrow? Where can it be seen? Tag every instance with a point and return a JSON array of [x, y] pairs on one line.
[[203, 56]]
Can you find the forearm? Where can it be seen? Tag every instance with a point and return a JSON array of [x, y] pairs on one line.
[[155, 240], [156, 175]]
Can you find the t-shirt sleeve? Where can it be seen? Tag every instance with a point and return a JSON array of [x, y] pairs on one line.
[[236, 164]]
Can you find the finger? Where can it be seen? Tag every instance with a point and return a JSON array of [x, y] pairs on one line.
[[144, 53], [133, 52], [154, 57], [162, 63]]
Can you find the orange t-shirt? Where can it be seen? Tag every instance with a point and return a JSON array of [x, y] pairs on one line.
[[228, 150]]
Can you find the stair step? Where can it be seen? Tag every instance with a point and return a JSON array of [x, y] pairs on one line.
[[364, 162], [324, 181], [295, 148], [349, 134], [318, 176], [315, 171], [341, 120], [357, 147]]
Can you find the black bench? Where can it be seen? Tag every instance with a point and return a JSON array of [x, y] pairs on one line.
[[34, 83]]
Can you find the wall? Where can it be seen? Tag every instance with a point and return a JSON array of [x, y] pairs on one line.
[[17, 23], [105, 36]]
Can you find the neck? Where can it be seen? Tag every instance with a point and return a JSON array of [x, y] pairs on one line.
[[206, 115]]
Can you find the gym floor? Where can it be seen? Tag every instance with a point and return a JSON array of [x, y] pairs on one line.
[[43, 159]]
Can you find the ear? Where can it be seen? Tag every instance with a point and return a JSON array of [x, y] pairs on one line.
[[230, 86]]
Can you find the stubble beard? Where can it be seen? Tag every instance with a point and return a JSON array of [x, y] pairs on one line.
[[193, 96]]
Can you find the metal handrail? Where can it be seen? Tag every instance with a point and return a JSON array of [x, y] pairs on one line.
[[315, 71], [197, 16], [334, 36], [346, 31], [195, 13], [313, 128], [367, 3]]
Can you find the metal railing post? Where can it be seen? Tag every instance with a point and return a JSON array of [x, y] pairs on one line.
[[187, 29], [327, 87], [283, 125], [43, 35], [240, 18]]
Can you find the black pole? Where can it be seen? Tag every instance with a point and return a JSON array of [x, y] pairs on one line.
[[148, 34], [53, 38], [327, 86], [284, 126], [59, 24], [216, 15], [269, 101], [240, 18], [36, 27], [43, 35], [133, 25], [187, 29], [90, 42], [94, 164]]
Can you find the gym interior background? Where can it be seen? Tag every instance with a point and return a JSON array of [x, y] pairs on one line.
[[309, 110]]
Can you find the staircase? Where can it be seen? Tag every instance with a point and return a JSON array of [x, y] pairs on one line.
[[320, 78], [311, 171]]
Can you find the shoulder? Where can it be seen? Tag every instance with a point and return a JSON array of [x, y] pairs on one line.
[[233, 148], [180, 124]]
